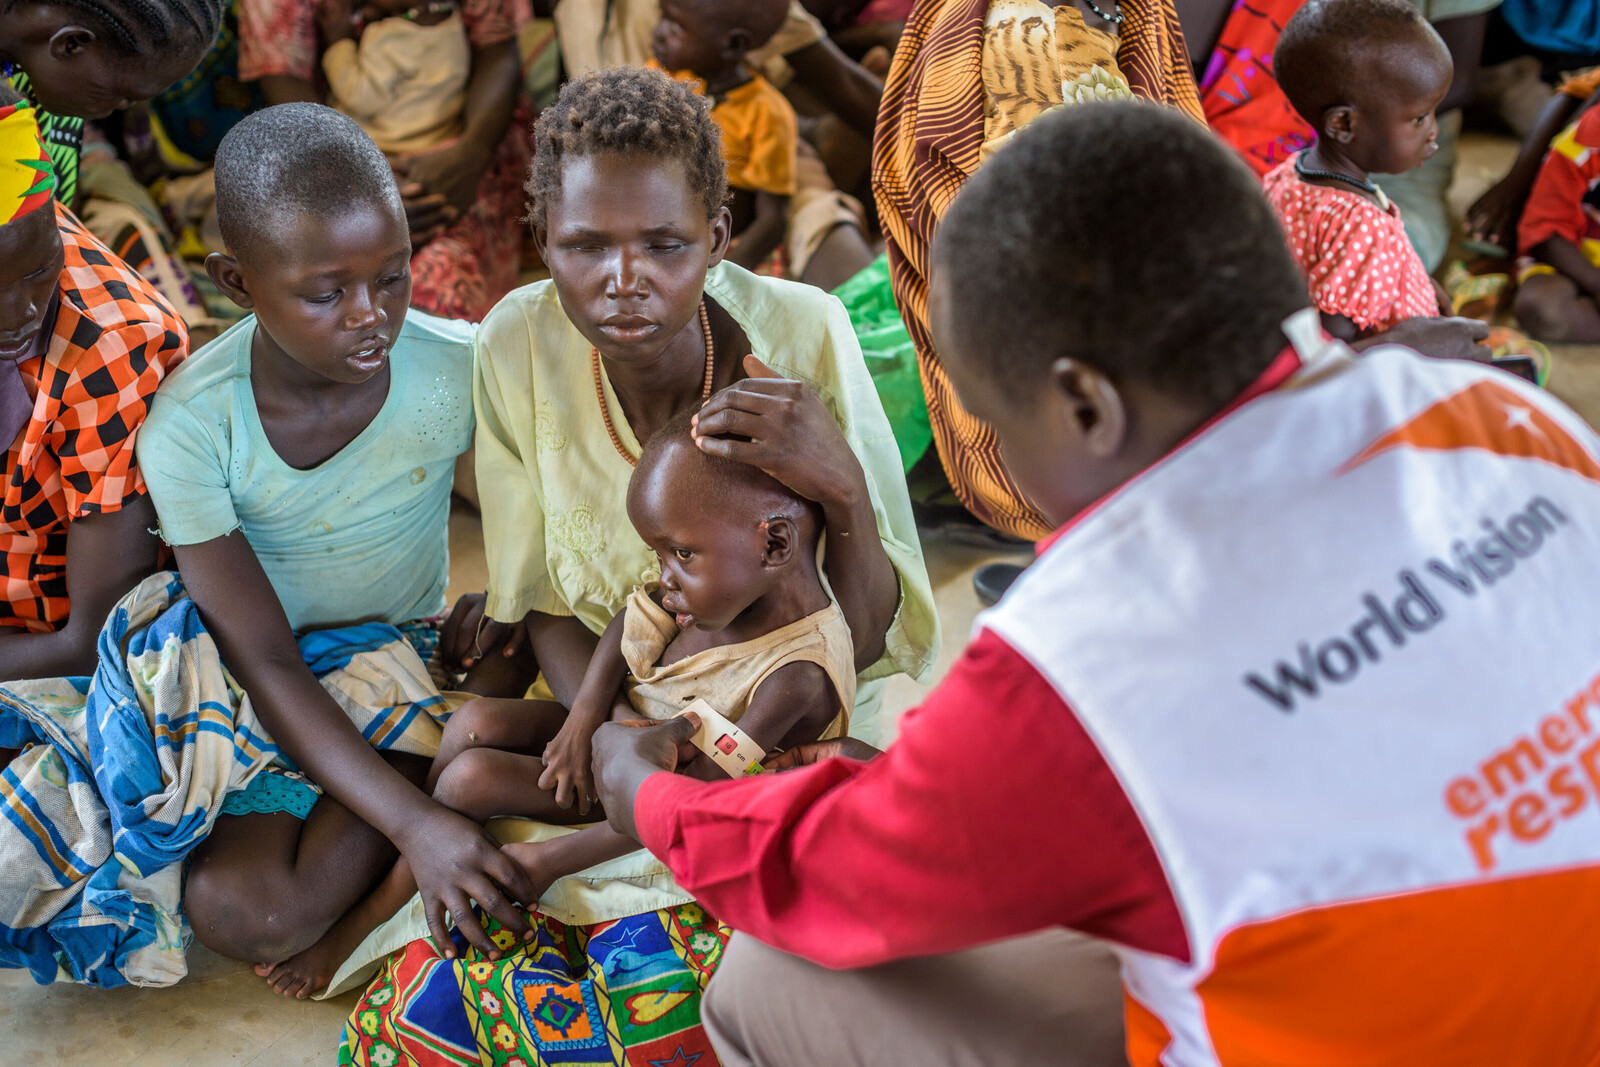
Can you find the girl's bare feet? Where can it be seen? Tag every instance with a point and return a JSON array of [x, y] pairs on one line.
[[310, 971]]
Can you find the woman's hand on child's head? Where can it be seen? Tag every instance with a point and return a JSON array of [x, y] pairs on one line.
[[456, 862], [628, 752], [780, 426], [566, 763], [468, 635]]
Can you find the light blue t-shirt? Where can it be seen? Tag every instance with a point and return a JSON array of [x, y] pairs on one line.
[[361, 537]]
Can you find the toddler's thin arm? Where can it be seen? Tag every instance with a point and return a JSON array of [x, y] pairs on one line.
[[545, 861], [566, 758], [792, 706]]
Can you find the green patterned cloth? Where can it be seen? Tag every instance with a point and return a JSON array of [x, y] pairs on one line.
[[63, 140]]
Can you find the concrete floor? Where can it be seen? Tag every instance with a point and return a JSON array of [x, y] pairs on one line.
[[224, 1014]]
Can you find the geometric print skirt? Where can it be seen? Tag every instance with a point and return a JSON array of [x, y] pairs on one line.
[[624, 993]]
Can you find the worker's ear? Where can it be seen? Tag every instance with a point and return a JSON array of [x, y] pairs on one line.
[[1090, 406]]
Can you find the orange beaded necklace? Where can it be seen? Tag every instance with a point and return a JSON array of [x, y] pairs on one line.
[[600, 391]]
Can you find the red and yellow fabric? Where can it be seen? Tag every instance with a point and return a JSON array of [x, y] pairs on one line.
[[115, 338], [1564, 201], [26, 178], [760, 134], [929, 138]]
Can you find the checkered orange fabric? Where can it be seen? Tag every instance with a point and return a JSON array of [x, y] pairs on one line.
[[115, 338]]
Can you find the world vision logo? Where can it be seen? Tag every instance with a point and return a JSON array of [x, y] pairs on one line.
[[1491, 417], [1486, 416]]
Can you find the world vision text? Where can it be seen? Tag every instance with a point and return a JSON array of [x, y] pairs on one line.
[[1416, 605]]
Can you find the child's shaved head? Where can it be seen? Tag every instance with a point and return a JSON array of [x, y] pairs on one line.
[[1124, 236], [295, 159], [672, 466], [1335, 52]]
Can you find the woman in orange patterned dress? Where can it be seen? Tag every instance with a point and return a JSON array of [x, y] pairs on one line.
[[966, 75]]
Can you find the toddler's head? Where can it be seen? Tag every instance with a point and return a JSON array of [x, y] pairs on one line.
[[1367, 75], [726, 533], [627, 196], [317, 240], [712, 37]]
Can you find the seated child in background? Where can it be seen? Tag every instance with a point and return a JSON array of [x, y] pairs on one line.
[[1559, 273], [740, 619], [706, 41], [400, 71], [301, 465], [1367, 75]]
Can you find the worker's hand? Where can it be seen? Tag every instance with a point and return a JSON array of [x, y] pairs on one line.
[[626, 753]]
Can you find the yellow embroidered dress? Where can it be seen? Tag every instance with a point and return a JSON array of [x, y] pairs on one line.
[[554, 489]]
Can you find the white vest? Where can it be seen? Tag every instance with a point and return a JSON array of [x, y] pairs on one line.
[[1342, 651]]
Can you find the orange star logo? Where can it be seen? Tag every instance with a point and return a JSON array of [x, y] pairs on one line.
[[1489, 416]]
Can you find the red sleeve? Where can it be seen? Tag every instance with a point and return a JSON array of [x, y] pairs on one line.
[[1555, 206], [993, 815]]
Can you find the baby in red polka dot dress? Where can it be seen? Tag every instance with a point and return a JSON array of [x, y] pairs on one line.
[[1367, 75]]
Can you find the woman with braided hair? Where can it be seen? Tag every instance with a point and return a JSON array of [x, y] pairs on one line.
[[84, 59]]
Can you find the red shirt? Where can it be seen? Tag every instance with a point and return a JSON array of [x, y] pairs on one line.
[[1561, 203], [993, 815]]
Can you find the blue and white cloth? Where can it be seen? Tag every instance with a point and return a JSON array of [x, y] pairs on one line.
[[123, 775]]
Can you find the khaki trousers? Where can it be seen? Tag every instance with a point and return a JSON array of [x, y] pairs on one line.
[[1051, 998]]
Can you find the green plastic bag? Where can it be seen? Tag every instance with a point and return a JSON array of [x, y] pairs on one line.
[[891, 357]]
